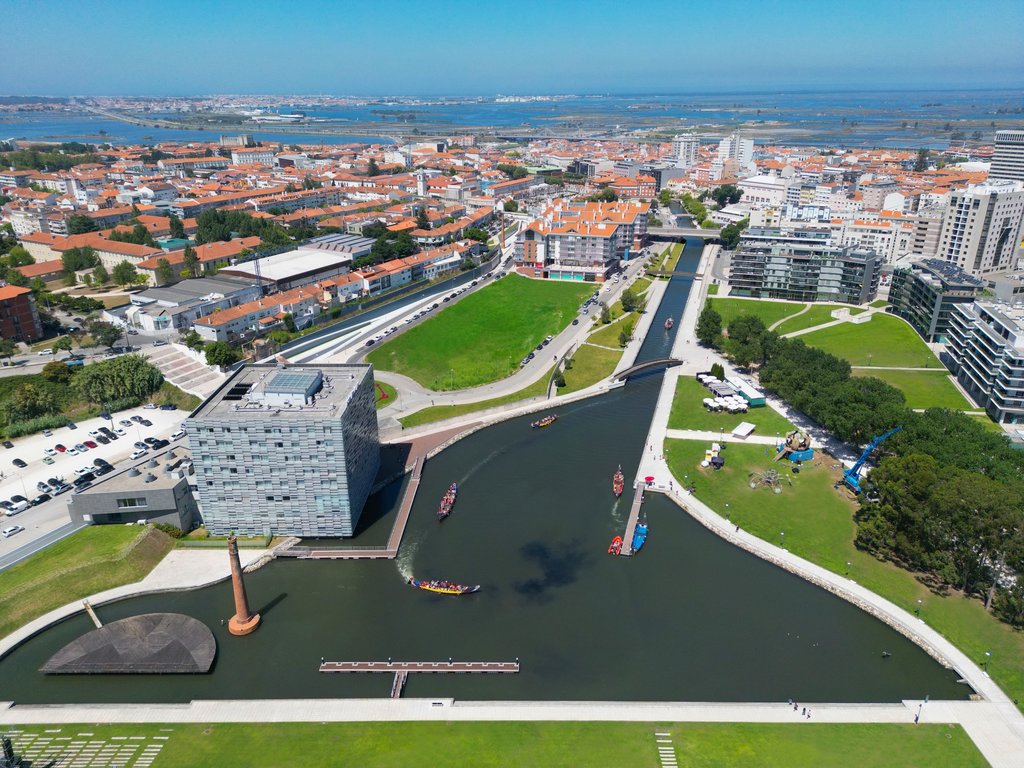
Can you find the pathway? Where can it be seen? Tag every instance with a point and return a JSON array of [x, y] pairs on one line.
[[184, 371], [719, 437], [777, 323]]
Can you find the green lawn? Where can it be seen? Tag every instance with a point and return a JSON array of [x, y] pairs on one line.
[[818, 523], [713, 289], [168, 393], [608, 335], [878, 303], [530, 744], [884, 340], [590, 364], [818, 314], [482, 338], [688, 412], [923, 389], [386, 394], [438, 412], [94, 559], [768, 311], [986, 422]]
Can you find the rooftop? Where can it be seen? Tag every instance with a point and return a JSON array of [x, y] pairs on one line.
[[292, 264]]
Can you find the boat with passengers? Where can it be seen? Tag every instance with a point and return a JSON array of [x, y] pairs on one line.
[[443, 587], [447, 502], [546, 421], [618, 482]]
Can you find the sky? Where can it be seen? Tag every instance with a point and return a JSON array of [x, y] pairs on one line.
[[479, 47]]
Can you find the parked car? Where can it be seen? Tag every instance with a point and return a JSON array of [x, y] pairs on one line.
[[40, 499], [94, 432], [8, 444], [137, 419], [83, 470], [575, 321], [146, 423], [103, 439], [159, 444], [150, 406], [103, 470], [119, 432], [6, 505], [71, 425], [80, 448], [100, 463], [49, 452], [125, 423], [150, 440], [19, 463], [10, 531], [168, 407], [60, 447], [159, 343], [90, 444], [72, 450], [85, 479], [47, 460], [47, 433], [62, 488], [177, 435], [44, 352], [138, 454], [141, 445], [42, 487], [18, 506]]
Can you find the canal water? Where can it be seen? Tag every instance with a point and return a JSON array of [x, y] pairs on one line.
[[690, 618]]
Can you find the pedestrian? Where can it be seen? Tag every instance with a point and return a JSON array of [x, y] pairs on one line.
[[795, 705], [803, 711], [808, 714], [737, 531], [916, 718]]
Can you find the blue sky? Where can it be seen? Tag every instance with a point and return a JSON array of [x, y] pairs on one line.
[[183, 47]]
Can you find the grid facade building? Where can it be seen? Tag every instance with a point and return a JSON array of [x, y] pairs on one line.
[[289, 450], [982, 227], [803, 266], [1008, 157], [986, 345], [925, 293]]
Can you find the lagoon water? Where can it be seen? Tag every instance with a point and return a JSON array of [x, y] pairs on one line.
[[689, 618]]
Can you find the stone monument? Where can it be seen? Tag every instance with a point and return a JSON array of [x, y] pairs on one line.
[[244, 621]]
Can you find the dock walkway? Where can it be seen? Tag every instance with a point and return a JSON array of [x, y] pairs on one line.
[[634, 516], [431, 667]]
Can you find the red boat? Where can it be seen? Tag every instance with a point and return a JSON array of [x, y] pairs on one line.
[[616, 546], [447, 502], [618, 482]]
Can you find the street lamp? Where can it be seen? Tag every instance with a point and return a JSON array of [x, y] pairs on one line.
[[847, 567], [988, 655], [782, 539], [918, 610]]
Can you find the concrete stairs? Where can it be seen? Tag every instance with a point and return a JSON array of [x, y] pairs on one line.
[[185, 372]]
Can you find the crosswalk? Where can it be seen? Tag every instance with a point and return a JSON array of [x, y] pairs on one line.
[[666, 749], [56, 747]]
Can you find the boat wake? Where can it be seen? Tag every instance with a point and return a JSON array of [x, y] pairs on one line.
[[406, 556]]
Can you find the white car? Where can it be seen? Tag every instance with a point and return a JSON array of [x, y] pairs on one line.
[[178, 435], [44, 352], [84, 470], [150, 406], [95, 432], [49, 451], [138, 454], [8, 532], [120, 432], [71, 451]]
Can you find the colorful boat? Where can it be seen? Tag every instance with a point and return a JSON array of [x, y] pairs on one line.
[[447, 502], [547, 420], [618, 482], [616, 546], [669, 323], [640, 535], [443, 587]]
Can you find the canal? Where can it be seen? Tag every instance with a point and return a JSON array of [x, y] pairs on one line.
[[691, 618]]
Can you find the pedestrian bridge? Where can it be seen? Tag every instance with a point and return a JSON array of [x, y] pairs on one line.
[[674, 233], [664, 362]]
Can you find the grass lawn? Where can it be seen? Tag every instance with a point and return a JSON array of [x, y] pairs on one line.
[[768, 311], [818, 314], [608, 335], [483, 337], [986, 422], [168, 393], [713, 289], [548, 744], [438, 412], [590, 364], [688, 412], [923, 389], [819, 526], [386, 395], [879, 303], [884, 340], [94, 559]]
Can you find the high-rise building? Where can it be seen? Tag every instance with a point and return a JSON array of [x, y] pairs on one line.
[[1008, 158], [983, 226], [738, 148], [986, 345], [924, 294], [289, 450], [684, 150]]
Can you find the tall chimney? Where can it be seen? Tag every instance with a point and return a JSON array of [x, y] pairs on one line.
[[243, 622]]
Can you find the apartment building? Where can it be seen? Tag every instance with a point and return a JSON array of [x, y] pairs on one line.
[[19, 319], [262, 315], [685, 150], [925, 293], [1008, 156], [803, 266], [986, 345], [983, 225], [252, 156], [286, 450]]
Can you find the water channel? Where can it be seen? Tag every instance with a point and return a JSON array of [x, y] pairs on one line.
[[691, 618]]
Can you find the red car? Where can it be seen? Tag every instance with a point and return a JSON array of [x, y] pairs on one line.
[[60, 447], [89, 444]]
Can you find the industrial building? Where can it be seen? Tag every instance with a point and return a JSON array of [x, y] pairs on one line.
[[319, 259], [925, 292], [290, 450]]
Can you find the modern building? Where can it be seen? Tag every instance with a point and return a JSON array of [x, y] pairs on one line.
[[986, 345], [289, 450], [1008, 157], [262, 315], [155, 491], [803, 266], [19, 319], [319, 259], [982, 227], [180, 305], [684, 150], [924, 294]]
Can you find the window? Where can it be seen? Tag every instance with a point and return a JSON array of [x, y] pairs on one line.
[[132, 503]]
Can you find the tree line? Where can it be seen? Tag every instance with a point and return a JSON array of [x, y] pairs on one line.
[[947, 497]]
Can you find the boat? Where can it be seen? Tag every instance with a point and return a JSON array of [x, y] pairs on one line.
[[640, 535], [669, 323], [447, 502], [443, 587], [546, 421], [616, 546], [618, 482]]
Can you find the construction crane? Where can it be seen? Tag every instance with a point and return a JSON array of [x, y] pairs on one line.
[[851, 477]]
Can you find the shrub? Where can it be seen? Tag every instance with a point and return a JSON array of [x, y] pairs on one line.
[[171, 530], [38, 424], [559, 380]]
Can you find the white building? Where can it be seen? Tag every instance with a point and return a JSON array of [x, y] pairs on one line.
[[737, 148], [1008, 159], [252, 156], [759, 191], [983, 226], [986, 344], [684, 150]]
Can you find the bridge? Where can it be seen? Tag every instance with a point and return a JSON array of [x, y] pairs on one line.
[[667, 362], [671, 233]]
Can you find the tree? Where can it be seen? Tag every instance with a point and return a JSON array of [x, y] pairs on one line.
[[28, 401], [718, 371], [124, 273], [513, 171], [14, 277], [730, 236], [475, 233], [78, 224], [631, 301], [191, 261], [164, 271], [607, 195], [511, 206], [289, 322], [57, 371], [222, 354], [372, 169], [105, 334], [310, 183], [127, 376], [709, 327], [63, 344], [8, 348], [19, 257], [177, 228], [921, 162], [193, 340], [422, 220], [100, 276], [76, 259], [726, 194]]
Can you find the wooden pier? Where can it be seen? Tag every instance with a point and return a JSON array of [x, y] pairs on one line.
[[402, 669], [634, 516]]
